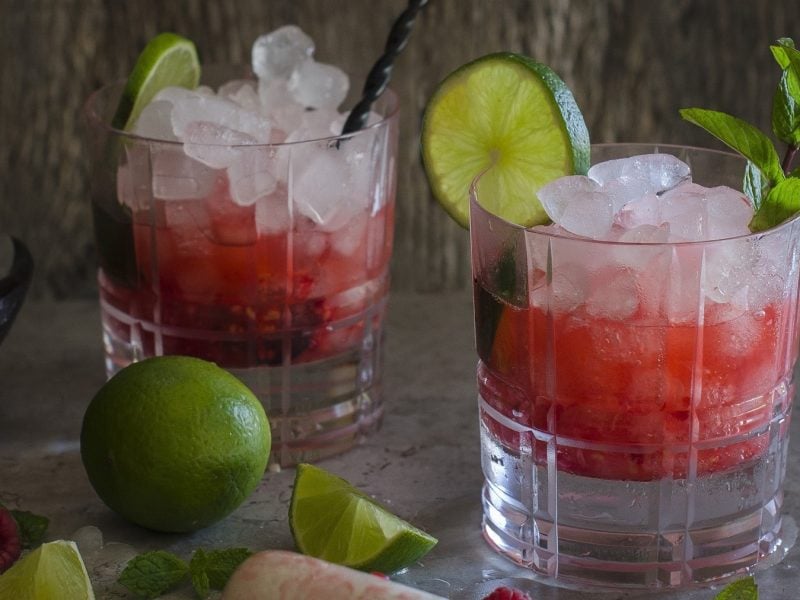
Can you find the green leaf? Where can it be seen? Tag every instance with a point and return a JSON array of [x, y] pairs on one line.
[[222, 563], [744, 589], [746, 139], [755, 185], [782, 202], [786, 112], [32, 528], [151, 574], [780, 52], [198, 569]]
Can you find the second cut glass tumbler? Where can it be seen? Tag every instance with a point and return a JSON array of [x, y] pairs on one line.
[[635, 398]]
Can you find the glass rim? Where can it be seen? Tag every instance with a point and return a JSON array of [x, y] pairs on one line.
[[92, 114], [654, 148]]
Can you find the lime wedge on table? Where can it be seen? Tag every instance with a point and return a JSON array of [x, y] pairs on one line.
[[167, 60], [54, 571], [332, 520], [506, 111]]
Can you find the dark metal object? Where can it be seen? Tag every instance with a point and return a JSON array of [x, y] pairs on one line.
[[381, 71]]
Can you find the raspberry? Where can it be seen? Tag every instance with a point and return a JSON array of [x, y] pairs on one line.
[[507, 593], [10, 545]]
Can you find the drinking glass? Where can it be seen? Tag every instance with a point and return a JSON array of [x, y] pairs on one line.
[[635, 397], [274, 265]]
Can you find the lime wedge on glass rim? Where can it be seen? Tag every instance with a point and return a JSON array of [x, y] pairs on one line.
[[510, 113], [334, 521], [53, 571], [167, 60]]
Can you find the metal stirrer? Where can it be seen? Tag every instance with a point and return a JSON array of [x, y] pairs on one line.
[[381, 71]]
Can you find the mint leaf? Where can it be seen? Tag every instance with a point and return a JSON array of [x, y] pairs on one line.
[[198, 569], [746, 139], [31, 527], [151, 574], [211, 570], [786, 112], [744, 589], [221, 564], [782, 50], [790, 63], [755, 185], [782, 202]]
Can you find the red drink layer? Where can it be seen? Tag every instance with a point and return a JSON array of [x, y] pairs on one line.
[[617, 393], [210, 282]]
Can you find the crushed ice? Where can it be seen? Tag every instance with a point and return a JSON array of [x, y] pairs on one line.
[[647, 198], [648, 201], [243, 133]]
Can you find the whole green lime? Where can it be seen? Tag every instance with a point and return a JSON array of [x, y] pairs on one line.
[[174, 443]]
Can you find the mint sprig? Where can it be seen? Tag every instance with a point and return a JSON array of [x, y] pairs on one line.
[[152, 574], [769, 182], [743, 589]]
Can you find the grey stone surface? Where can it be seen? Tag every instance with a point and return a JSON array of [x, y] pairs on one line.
[[424, 463]]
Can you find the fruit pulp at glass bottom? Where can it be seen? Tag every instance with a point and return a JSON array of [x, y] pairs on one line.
[[601, 384], [209, 284]]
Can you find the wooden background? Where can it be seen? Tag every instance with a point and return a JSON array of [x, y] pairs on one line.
[[631, 64]]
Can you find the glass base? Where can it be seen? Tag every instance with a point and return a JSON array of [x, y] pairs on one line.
[[316, 409], [594, 533]]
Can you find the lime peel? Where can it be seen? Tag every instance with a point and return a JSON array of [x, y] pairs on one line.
[[167, 60], [510, 113]]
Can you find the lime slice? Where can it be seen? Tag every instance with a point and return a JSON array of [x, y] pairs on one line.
[[505, 111], [167, 60], [53, 571], [332, 520]]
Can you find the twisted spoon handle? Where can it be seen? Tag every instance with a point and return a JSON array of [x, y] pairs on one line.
[[381, 71]]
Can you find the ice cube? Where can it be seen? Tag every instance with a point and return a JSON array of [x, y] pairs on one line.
[[351, 236], [696, 213], [557, 195], [590, 215], [277, 54], [321, 123], [332, 184], [198, 108], [173, 94], [89, 539], [214, 145], [321, 190], [177, 176], [645, 210], [155, 121], [250, 175], [645, 234], [317, 85], [280, 107], [272, 214], [242, 92], [614, 295], [729, 212], [650, 172]]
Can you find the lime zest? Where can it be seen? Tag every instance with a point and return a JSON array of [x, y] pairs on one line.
[[334, 521], [167, 60], [509, 112]]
